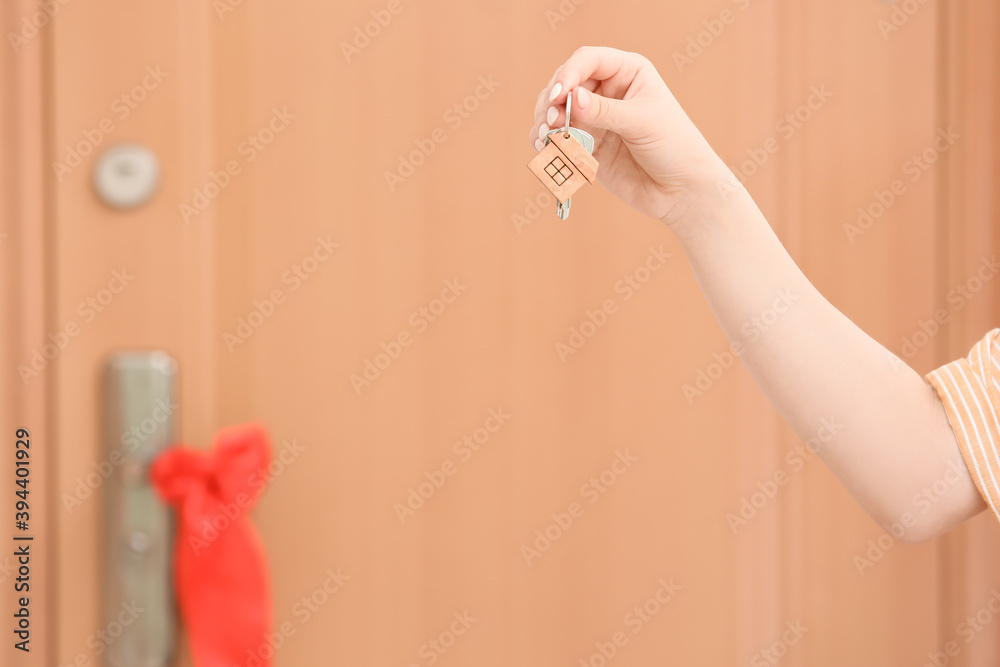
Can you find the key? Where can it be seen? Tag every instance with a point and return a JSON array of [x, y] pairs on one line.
[[563, 168], [562, 209]]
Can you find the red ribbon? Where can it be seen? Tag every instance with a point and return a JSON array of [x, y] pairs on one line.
[[220, 568]]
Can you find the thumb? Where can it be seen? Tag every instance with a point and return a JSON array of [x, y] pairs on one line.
[[604, 113]]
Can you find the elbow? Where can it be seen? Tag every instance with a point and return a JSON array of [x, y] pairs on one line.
[[921, 533], [914, 521], [912, 527]]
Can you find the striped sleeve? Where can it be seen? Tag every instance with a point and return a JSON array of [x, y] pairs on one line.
[[970, 391]]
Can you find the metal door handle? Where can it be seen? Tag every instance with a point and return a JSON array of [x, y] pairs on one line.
[[138, 420]]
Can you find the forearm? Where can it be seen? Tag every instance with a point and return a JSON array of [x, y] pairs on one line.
[[813, 363], [810, 360]]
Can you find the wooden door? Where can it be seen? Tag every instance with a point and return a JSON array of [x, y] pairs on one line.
[[480, 467]]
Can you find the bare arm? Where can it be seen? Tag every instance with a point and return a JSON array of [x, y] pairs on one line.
[[812, 362]]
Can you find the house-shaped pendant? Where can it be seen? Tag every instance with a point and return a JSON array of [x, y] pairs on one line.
[[563, 166]]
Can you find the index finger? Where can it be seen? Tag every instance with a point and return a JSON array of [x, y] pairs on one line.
[[613, 68]]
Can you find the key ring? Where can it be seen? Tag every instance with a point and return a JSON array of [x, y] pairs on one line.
[[569, 105]]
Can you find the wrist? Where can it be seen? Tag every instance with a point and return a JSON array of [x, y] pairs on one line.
[[697, 204]]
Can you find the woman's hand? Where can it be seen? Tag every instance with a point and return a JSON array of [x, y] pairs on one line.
[[651, 155], [814, 364]]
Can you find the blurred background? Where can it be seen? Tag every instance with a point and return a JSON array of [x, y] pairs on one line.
[[345, 245]]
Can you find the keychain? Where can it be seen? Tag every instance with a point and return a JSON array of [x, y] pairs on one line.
[[565, 164]]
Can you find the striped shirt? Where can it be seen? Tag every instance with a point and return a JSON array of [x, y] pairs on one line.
[[970, 391]]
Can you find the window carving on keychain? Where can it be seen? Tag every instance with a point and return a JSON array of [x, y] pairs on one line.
[[565, 163]]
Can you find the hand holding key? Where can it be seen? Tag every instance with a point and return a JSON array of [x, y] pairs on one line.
[[813, 364], [652, 156], [566, 162]]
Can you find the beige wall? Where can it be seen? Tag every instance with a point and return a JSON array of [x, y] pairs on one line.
[[464, 215]]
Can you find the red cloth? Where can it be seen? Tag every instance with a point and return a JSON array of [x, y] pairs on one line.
[[220, 568]]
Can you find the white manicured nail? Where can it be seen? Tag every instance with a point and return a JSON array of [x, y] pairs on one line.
[[543, 129], [556, 89], [551, 116], [539, 144]]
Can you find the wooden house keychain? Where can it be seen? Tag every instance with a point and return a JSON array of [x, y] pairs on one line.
[[565, 164]]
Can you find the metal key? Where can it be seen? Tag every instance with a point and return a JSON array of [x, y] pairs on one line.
[[562, 210]]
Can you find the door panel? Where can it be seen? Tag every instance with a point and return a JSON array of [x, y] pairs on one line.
[[400, 335]]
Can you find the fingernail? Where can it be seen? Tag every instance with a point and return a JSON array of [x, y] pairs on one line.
[[543, 129], [556, 89], [551, 116], [582, 98], [539, 144]]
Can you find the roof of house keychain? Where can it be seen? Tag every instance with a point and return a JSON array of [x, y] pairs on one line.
[[565, 164]]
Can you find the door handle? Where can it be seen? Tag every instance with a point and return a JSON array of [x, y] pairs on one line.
[[138, 611]]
